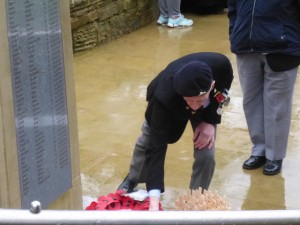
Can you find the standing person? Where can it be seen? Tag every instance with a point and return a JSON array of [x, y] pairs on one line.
[[192, 88], [170, 14], [265, 36]]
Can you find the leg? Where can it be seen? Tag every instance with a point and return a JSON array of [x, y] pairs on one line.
[[137, 166], [163, 8], [137, 173], [278, 96], [250, 69], [163, 12], [203, 166], [175, 17], [173, 7]]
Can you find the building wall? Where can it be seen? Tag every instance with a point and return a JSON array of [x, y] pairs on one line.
[[95, 22]]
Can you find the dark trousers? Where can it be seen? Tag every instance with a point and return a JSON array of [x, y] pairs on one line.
[[202, 169]]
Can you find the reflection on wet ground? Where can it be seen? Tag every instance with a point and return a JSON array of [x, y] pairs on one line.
[[111, 84]]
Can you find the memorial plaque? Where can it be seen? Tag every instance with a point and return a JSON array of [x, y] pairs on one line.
[[41, 118]]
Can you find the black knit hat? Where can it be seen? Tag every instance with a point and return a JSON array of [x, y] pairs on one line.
[[193, 79]]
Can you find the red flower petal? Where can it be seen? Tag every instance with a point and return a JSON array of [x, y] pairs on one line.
[[92, 206]]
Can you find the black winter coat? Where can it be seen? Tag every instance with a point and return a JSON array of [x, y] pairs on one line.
[[265, 26], [167, 113]]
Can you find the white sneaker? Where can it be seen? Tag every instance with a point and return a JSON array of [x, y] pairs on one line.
[[162, 20], [180, 22]]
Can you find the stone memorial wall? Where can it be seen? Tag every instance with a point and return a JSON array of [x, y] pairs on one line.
[[95, 22], [40, 141], [36, 59]]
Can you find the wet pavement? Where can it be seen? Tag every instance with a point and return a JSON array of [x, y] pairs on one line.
[[111, 85]]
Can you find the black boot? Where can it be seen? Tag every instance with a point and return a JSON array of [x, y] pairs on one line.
[[272, 167], [127, 185], [254, 162]]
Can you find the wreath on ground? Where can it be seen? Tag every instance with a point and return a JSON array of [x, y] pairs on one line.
[[119, 201]]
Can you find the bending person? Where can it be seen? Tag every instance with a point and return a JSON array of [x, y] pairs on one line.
[[192, 88]]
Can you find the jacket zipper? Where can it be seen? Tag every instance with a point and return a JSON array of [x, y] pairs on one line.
[[252, 21]]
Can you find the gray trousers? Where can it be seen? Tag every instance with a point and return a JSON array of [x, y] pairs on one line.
[[169, 8], [203, 166], [267, 102]]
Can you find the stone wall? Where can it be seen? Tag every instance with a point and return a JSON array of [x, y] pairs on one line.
[[95, 22]]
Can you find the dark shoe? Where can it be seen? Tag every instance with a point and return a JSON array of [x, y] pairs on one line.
[[272, 167], [254, 162], [127, 185]]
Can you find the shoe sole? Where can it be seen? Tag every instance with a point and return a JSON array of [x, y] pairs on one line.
[[252, 168], [179, 26], [270, 174], [172, 25], [161, 24]]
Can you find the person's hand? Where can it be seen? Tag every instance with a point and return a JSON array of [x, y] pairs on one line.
[[204, 135], [154, 203]]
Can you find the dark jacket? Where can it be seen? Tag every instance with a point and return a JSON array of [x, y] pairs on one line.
[[167, 113], [265, 26]]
